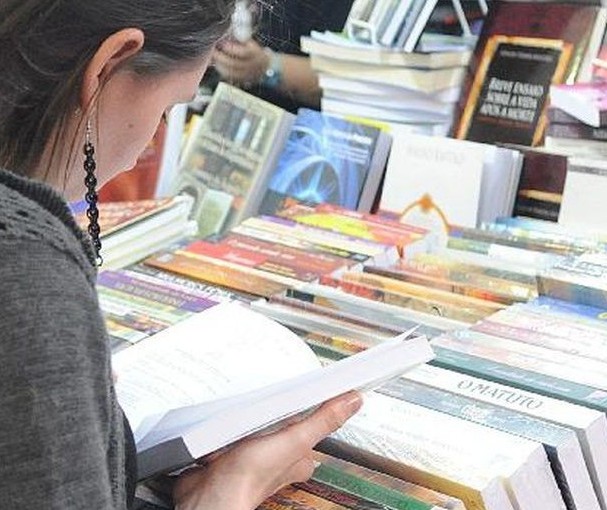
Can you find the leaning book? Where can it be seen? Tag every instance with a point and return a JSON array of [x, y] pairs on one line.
[[229, 372]]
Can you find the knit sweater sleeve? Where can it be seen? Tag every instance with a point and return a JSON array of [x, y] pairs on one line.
[[58, 418]]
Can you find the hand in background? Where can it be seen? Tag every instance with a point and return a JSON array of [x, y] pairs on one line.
[[244, 476], [241, 63]]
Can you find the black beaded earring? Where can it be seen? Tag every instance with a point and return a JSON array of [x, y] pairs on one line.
[[90, 180]]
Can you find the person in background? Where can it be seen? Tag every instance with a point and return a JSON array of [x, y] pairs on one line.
[[270, 65], [82, 89]]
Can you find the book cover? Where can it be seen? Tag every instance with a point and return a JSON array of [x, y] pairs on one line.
[[589, 425], [114, 216], [325, 160], [561, 445], [460, 451], [459, 314], [240, 279], [421, 177], [583, 195], [540, 189], [586, 102], [523, 48], [532, 357], [267, 256], [509, 94], [383, 497], [479, 364], [417, 491], [231, 149], [408, 238], [379, 251]]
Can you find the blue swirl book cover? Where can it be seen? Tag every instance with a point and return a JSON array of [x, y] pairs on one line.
[[325, 160]]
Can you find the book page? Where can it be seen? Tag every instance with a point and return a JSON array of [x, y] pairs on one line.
[[223, 351]]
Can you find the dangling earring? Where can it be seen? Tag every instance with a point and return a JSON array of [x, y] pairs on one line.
[[91, 194]]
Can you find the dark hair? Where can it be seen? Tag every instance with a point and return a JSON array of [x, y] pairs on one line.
[[45, 46]]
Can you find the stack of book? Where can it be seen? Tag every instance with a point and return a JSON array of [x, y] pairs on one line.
[[411, 88], [577, 119], [130, 231], [267, 254], [509, 415], [140, 301]]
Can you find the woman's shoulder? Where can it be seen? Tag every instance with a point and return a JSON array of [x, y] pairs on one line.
[[31, 212]]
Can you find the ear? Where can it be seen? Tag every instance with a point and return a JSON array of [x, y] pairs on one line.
[[112, 52]]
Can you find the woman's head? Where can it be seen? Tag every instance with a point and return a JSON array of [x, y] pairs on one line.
[[116, 63]]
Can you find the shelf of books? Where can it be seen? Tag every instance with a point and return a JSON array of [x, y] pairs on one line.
[[324, 236]]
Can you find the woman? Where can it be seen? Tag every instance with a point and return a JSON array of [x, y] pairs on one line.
[[97, 75]]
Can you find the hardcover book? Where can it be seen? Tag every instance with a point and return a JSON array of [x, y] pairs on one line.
[[540, 189]]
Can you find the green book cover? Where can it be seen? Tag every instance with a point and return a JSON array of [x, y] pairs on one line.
[[373, 492]]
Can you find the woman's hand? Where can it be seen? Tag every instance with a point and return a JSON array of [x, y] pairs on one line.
[[241, 63], [254, 469]]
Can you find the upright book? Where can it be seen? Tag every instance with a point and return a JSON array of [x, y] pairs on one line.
[[437, 182], [525, 47], [328, 160], [228, 155]]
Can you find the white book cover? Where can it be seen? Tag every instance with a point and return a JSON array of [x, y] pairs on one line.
[[440, 177], [584, 194], [589, 425]]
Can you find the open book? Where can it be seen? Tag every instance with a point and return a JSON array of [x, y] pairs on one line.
[[229, 372]]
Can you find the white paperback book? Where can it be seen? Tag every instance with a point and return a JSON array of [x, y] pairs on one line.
[[434, 182], [229, 372], [589, 425], [497, 470]]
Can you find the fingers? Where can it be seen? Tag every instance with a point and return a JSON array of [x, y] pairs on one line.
[[239, 51], [327, 419]]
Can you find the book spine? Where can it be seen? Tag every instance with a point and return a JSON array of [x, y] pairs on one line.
[[124, 305], [567, 307], [337, 496], [581, 132], [173, 281], [227, 277], [551, 436], [123, 282], [365, 489], [578, 347], [433, 307], [540, 359], [520, 378], [416, 491]]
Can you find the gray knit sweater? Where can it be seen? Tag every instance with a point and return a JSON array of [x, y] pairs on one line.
[[62, 438]]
